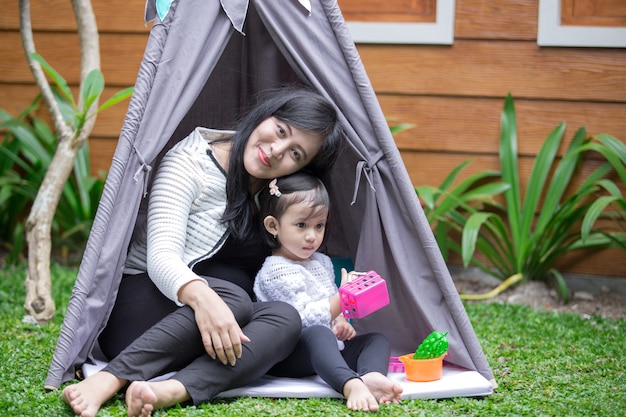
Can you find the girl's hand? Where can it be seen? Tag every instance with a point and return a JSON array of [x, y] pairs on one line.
[[221, 334], [349, 276], [345, 277], [343, 329]]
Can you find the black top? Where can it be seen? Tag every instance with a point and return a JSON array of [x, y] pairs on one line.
[[238, 261]]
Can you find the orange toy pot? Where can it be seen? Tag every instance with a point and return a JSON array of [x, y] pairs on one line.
[[422, 370]]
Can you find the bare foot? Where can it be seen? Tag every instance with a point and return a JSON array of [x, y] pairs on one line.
[[143, 397], [358, 396], [87, 396], [140, 399], [382, 388]]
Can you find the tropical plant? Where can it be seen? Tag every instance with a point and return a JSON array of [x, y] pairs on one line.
[[27, 151], [526, 236], [446, 205]]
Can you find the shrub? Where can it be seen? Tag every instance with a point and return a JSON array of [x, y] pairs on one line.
[[27, 149], [527, 235]]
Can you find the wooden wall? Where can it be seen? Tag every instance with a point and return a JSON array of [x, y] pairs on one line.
[[453, 94]]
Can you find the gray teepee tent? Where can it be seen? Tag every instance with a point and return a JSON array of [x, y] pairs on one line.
[[203, 61]]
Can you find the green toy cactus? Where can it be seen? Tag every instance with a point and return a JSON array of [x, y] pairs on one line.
[[435, 345]]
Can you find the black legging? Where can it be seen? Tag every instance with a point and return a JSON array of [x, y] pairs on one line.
[[317, 353], [174, 343]]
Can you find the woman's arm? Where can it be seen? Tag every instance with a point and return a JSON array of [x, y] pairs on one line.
[[177, 185]]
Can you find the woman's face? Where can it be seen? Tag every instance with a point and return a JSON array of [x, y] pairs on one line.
[[276, 148]]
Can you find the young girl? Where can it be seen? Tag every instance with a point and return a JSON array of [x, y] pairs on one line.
[[294, 211]]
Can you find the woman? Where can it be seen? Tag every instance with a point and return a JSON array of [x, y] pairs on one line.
[[184, 303]]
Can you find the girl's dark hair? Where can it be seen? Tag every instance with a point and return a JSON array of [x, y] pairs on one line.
[[295, 188], [296, 106]]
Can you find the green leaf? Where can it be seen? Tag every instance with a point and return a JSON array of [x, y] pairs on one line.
[[400, 127], [509, 168], [594, 212], [91, 88], [117, 98], [560, 284], [427, 194], [614, 158], [459, 196], [30, 146], [450, 178], [58, 80], [560, 180], [470, 234], [538, 175], [616, 146], [600, 241], [486, 191]]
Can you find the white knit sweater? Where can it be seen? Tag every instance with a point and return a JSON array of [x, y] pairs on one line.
[[305, 285], [184, 224]]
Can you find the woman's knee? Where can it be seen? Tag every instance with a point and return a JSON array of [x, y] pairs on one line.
[[235, 297], [283, 315]]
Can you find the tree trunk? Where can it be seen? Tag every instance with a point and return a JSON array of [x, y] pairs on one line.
[[39, 303]]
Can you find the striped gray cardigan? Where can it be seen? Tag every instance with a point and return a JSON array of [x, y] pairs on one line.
[[184, 224]]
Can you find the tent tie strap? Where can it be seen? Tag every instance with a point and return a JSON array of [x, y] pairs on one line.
[[143, 168], [365, 168]]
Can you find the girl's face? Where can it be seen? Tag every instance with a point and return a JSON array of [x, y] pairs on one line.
[[275, 149], [300, 231]]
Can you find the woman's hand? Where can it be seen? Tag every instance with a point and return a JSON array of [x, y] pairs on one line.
[[343, 329], [221, 334]]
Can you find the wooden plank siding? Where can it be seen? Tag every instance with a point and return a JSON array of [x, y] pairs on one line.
[[453, 94]]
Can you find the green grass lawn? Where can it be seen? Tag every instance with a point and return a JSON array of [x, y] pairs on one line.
[[546, 364]]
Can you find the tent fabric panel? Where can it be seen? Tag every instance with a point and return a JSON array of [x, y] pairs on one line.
[[140, 141], [107, 243], [391, 194]]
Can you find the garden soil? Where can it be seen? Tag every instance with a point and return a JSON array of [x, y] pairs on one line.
[[538, 295]]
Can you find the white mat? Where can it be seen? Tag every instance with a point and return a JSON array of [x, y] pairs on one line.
[[455, 382]]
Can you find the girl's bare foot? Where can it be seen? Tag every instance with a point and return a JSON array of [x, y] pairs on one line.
[[143, 397], [140, 399], [87, 396], [358, 396], [382, 388]]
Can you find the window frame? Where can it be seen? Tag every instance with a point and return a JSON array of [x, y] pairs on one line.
[[439, 33], [550, 32]]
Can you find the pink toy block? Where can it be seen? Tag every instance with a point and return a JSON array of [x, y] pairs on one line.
[[395, 365], [363, 295]]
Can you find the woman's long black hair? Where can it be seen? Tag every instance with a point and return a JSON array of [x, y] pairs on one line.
[[296, 106]]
